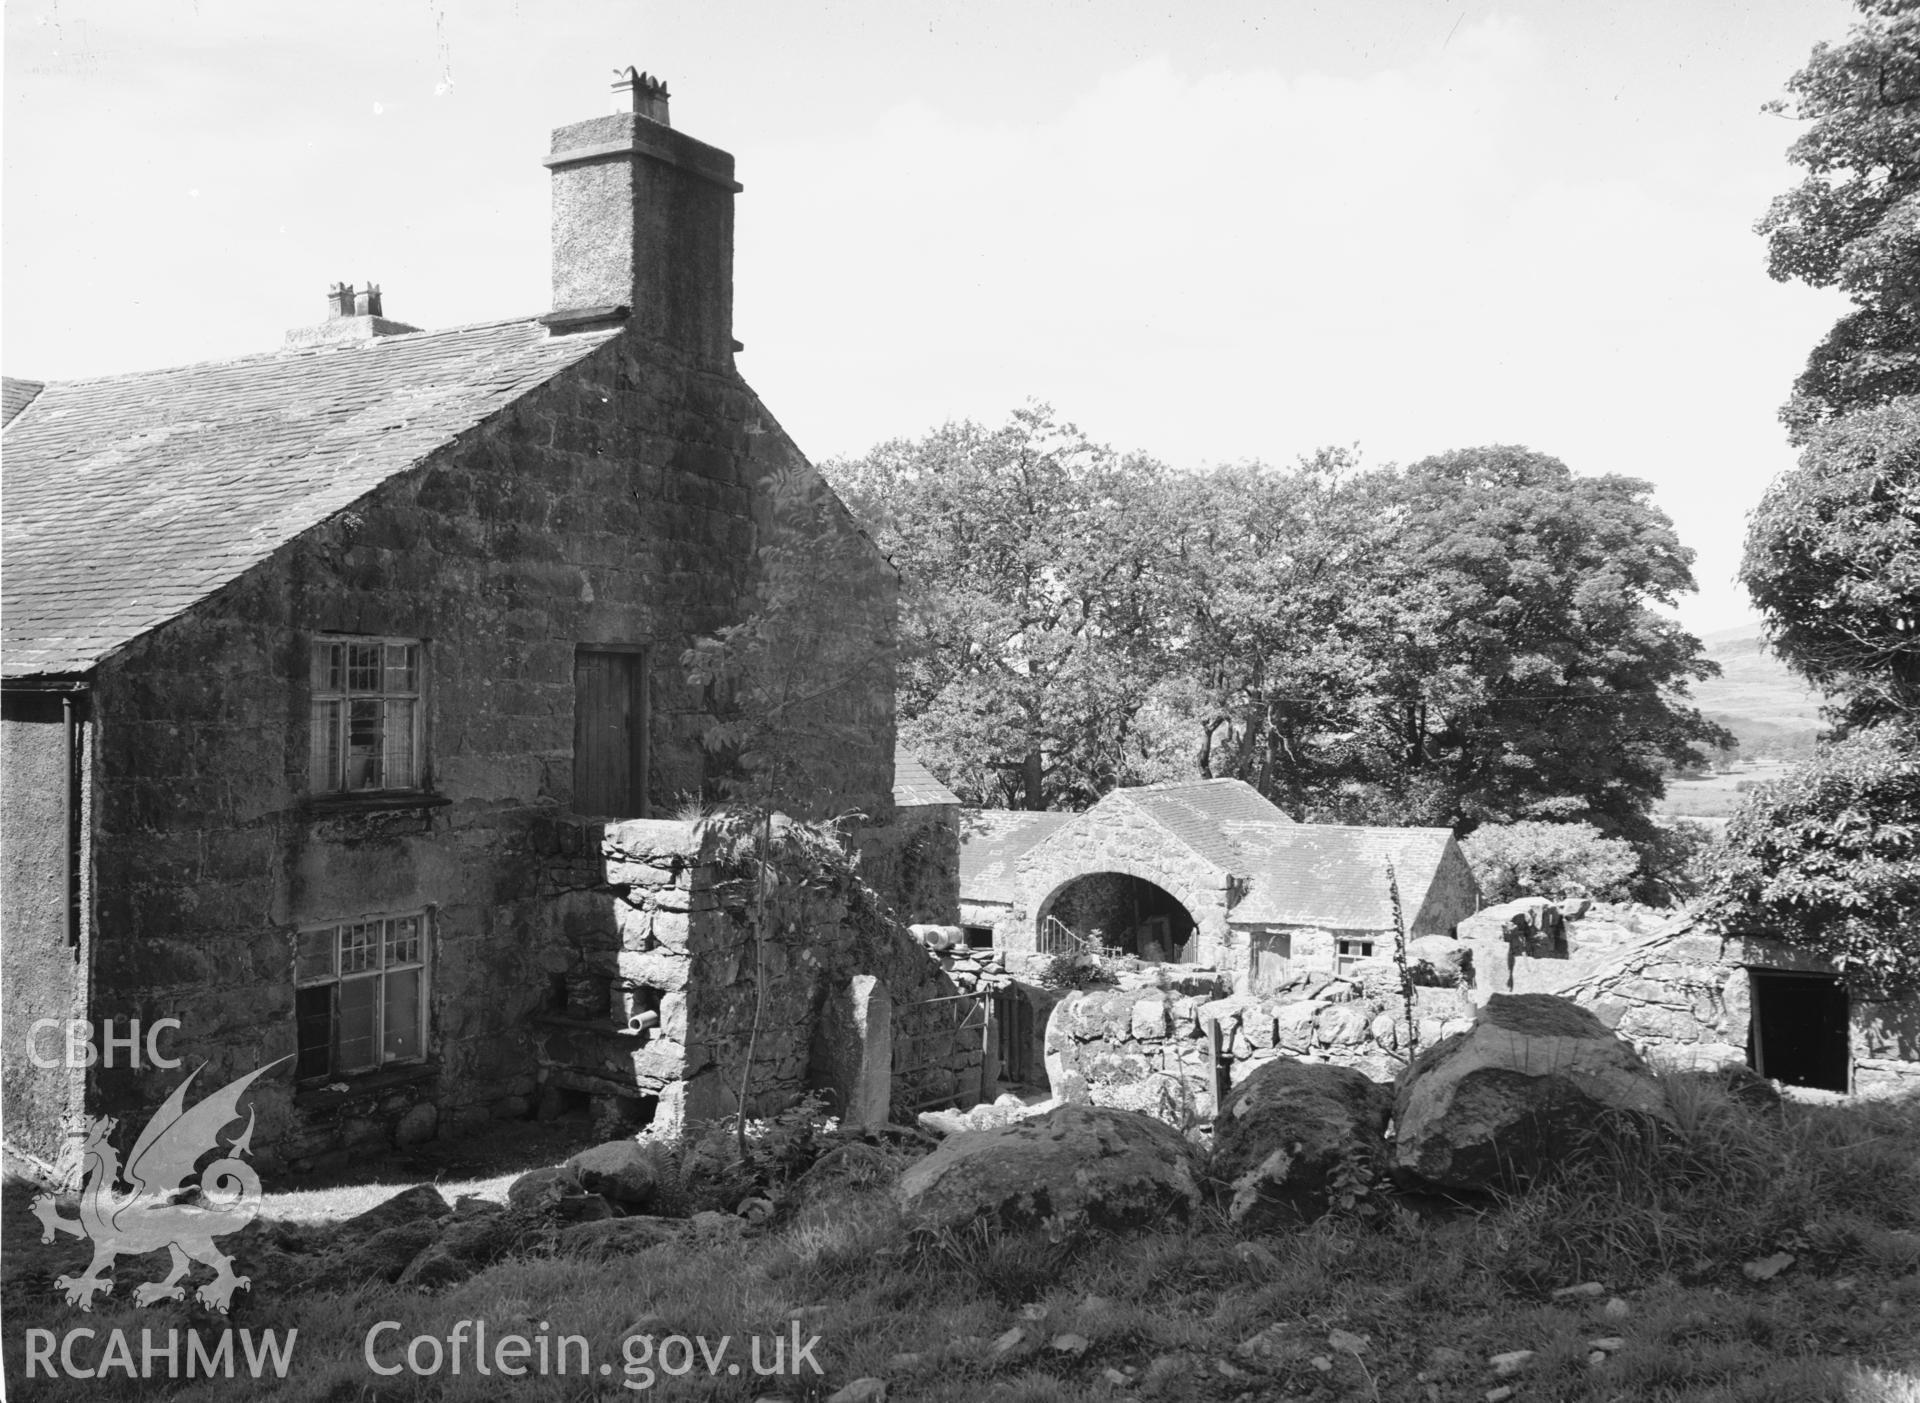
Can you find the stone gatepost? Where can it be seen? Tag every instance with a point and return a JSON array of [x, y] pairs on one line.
[[856, 1036]]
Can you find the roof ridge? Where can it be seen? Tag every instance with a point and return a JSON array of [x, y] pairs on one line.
[[1376, 827], [1162, 784], [289, 352]]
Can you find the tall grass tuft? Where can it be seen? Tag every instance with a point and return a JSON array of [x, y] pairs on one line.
[[1730, 1181]]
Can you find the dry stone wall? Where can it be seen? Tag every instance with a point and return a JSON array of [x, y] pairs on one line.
[[914, 862], [1164, 1051], [1681, 993], [1681, 996], [683, 950]]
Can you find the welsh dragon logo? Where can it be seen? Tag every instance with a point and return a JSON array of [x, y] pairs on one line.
[[148, 1218]]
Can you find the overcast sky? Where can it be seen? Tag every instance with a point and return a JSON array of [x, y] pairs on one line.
[[1211, 232]]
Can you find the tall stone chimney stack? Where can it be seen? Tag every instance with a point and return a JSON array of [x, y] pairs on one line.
[[643, 220]]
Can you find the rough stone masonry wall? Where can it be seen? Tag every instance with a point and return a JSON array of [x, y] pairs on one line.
[[1685, 999], [44, 976], [1118, 839], [683, 948], [1678, 991], [1155, 1050], [914, 862], [616, 504]]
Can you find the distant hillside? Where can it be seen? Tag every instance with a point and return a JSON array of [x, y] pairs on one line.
[[1770, 708]]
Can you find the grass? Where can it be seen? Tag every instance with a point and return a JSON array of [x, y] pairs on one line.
[[1665, 1224]]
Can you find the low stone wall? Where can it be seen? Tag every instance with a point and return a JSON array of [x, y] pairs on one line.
[[663, 1007], [1165, 1053], [1685, 998], [1680, 993]]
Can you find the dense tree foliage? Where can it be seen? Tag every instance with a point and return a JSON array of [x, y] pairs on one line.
[[1468, 639], [1830, 857], [1280, 605], [1549, 859], [1536, 858], [1833, 560], [1853, 222], [1525, 674], [1033, 606]]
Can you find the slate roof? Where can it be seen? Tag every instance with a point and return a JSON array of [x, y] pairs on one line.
[[16, 395], [992, 842], [1196, 812], [915, 785], [128, 499], [1329, 875], [1300, 874]]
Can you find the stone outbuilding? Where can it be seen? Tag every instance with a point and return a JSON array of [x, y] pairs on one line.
[[1688, 995], [1207, 872], [326, 671]]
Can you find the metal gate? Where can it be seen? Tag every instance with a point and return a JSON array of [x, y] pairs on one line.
[[924, 1038], [1010, 1022]]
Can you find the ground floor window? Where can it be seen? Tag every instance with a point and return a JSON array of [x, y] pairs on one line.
[[360, 1000], [1349, 953]]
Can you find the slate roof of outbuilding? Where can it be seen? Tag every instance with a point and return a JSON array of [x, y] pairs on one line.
[[1196, 812], [1333, 876], [16, 395], [1297, 874], [914, 785], [128, 499], [992, 842]]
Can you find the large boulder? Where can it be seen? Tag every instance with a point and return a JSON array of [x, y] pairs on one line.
[[407, 1206], [1078, 1165], [1283, 1134], [542, 1188], [620, 1171], [1489, 1107]]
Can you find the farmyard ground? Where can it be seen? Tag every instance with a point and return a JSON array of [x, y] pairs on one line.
[[1404, 1301]]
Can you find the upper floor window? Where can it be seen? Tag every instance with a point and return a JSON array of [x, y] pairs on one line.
[[367, 715]]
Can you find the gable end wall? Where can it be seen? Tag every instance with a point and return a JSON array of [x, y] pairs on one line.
[[613, 505]]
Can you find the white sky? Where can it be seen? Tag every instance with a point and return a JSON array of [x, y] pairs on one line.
[[1210, 231]]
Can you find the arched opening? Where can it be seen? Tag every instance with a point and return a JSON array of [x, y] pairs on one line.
[[1123, 913]]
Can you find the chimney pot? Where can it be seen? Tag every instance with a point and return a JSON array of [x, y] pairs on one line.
[[643, 227], [641, 94], [351, 317]]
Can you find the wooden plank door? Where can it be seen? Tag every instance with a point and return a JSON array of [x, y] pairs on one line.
[[610, 733]]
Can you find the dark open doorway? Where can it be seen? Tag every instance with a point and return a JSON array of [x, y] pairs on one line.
[[1126, 914], [1799, 1029]]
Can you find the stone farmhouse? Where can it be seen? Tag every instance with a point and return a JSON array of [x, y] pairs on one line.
[[343, 704], [1206, 872]]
